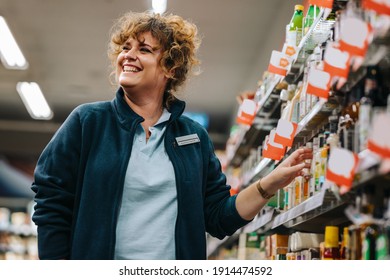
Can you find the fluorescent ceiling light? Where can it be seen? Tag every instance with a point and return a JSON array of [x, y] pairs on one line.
[[159, 6], [33, 99], [10, 53]]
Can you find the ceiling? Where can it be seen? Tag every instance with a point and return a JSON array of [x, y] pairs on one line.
[[65, 44]]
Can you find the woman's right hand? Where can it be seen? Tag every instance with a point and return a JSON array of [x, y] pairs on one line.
[[287, 170]]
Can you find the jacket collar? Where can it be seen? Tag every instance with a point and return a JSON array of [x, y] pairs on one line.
[[127, 116]]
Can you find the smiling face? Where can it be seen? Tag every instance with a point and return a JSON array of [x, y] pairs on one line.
[[177, 42], [138, 67]]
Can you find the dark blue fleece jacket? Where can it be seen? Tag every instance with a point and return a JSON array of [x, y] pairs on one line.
[[80, 175]]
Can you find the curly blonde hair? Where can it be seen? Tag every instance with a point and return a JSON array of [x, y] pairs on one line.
[[177, 37]]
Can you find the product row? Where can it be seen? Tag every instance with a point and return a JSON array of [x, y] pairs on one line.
[[18, 235], [365, 236]]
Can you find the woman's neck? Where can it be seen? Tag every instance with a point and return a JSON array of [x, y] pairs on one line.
[[150, 109]]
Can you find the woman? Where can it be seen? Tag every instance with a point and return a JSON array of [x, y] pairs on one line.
[[133, 178]]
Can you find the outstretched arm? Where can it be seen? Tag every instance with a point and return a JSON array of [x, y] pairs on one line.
[[249, 201]]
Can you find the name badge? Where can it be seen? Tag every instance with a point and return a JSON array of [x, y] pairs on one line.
[[187, 139]]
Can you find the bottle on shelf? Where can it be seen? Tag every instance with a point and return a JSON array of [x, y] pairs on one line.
[[306, 177], [284, 94], [344, 250], [287, 196], [371, 231], [303, 98], [355, 243], [293, 114], [383, 240], [311, 15], [368, 229], [367, 197], [277, 201], [349, 119], [373, 86], [331, 244], [352, 102], [294, 28], [298, 190], [366, 104], [324, 155], [365, 111], [312, 180], [319, 158], [333, 140], [280, 199]]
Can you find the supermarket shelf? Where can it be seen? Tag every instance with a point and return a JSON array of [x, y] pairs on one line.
[[315, 119], [324, 207], [312, 215], [307, 128], [376, 52], [262, 223], [23, 230], [310, 204], [266, 119], [318, 33], [14, 203], [262, 104]]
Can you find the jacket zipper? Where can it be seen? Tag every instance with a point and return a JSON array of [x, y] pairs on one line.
[[176, 162], [119, 204]]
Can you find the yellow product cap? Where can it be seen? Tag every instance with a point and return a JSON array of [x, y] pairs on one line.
[[346, 235], [331, 237], [299, 7]]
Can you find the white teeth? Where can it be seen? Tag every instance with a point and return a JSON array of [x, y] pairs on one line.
[[130, 69]]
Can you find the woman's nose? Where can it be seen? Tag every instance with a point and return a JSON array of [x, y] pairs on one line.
[[131, 55]]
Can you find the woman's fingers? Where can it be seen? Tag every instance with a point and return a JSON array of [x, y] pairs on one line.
[[298, 156], [297, 168]]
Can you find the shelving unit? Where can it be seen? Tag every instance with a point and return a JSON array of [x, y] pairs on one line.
[[18, 235], [267, 114], [266, 119], [325, 207]]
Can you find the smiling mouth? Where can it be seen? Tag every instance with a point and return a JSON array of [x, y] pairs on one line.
[[130, 69]]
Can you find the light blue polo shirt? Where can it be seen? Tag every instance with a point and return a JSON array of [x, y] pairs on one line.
[[147, 217]]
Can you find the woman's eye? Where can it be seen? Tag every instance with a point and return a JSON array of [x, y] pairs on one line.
[[145, 50], [125, 48]]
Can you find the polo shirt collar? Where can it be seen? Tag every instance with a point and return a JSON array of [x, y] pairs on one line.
[[127, 116]]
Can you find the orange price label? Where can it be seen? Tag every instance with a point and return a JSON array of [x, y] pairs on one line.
[[341, 168], [247, 112], [322, 3], [355, 43], [272, 149], [379, 6], [279, 63], [336, 61], [285, 132], [379, 137], [318, 83]]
